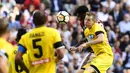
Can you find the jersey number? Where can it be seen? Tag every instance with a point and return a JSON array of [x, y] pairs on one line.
[[17, 68], [39, 47]]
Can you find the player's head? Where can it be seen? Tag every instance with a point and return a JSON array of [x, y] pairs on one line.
[[39, 18], [3, 26], [90, 19], [81, 11], [20, 33]]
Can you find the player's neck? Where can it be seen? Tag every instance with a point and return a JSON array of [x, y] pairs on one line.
[[40, 26], [91, 26], [4, 36]]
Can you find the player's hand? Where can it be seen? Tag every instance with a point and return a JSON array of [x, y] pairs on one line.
[[73, 48], [80, 48]]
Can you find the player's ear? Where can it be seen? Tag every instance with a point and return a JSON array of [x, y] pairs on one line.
[[94, 17]]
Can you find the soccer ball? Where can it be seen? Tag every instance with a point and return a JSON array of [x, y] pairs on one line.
[[62, 17]]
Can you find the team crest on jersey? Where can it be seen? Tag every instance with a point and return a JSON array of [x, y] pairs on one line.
[[15, 51], [90, 37]]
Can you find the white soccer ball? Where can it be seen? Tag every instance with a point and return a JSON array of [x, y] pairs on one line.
[[62, 17]]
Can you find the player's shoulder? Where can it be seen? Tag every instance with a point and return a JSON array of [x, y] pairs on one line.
[[25, 35], [98, 25], [5, 43], [48, 30]]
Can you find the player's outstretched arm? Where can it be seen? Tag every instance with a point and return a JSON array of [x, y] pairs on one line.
[[79, 48], [99, 39], [74, 48]]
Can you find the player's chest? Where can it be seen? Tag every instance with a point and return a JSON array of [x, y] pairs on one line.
[[90, 36]]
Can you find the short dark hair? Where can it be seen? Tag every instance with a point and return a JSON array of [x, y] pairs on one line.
[[21, 32], [39, 18], [3, 26], [82, 9]]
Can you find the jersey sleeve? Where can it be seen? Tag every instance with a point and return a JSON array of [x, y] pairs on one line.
[[57, 40], [3, 54], [21, 45], [99, 29]]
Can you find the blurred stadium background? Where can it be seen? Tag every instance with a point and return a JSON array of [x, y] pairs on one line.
[[115, 14]]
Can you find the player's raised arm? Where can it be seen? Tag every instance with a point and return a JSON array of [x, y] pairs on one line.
[[74, 48], [99, 39]]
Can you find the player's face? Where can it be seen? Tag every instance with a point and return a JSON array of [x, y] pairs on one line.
[[88, 21]]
